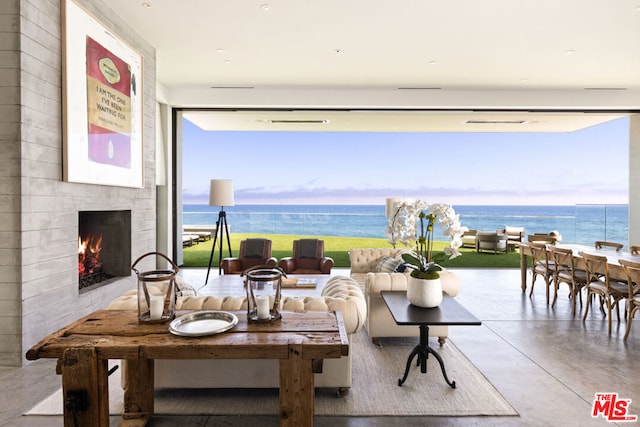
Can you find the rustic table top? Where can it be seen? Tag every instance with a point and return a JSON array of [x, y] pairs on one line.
[[116, 334]]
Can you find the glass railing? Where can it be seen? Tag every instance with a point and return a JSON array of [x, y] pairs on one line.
[[602, 222], [309, 224], [581, 224]]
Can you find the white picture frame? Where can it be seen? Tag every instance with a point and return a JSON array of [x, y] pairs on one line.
[[102, 103]]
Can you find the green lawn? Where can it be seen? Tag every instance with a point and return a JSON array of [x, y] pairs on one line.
[[338, 249]]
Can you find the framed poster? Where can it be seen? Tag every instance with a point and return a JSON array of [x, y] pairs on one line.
[[102, 103]]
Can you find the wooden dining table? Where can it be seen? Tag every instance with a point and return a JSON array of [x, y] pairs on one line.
[[300, 340], [615, 269]]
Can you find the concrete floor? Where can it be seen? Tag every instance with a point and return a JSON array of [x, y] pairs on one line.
[[547, 364]]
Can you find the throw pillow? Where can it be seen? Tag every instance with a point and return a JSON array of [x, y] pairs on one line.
[[183, 289], [401, 268], [387, 264]]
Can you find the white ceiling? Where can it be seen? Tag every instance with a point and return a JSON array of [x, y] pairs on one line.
[[590, 48], [394, 121]]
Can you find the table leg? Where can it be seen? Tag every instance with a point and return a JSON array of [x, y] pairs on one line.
[[523, 270], [422, 350], [85, 388], [296, 389], [138, 389]]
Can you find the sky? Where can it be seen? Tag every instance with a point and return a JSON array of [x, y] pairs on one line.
[[590, 166]]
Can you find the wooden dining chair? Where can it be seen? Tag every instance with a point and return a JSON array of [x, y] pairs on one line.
[[601, 244], [542, 238], [566, 272], [541, 266], [599, 283], [632, 269], [635, 250]]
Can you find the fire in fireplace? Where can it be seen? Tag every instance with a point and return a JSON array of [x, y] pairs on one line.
[[104, 247], [89, 265]]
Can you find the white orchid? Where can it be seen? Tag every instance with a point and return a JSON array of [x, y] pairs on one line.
[[403, 228]]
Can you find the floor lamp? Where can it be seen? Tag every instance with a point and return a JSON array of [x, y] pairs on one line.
[[220, 194]]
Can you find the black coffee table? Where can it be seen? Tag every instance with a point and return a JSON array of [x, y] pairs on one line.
[[449, 313]]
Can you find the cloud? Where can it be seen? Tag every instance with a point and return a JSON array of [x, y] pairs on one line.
[[460, 196]]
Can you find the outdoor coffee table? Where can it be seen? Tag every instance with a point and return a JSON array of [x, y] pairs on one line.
[[449, 312], [299, 340]]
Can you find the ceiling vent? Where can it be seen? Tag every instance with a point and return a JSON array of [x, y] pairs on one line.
[[232, 87], [496, 122], [293, 121], [419, 88], [605, 88]]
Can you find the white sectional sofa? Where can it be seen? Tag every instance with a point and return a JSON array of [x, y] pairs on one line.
[[340, 293], [380, 323]]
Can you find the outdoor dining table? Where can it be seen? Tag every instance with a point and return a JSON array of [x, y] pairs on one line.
[[300, 340], [615, 269]]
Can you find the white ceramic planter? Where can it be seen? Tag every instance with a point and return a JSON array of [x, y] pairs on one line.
[[424, 293]]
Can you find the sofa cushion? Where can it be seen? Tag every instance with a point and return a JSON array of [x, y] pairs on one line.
[[513, 230]]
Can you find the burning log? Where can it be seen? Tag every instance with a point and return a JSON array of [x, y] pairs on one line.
[[89, 255]]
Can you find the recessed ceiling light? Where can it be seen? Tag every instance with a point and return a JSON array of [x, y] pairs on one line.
[[569, 52], [265, 7], [219, 50], [433, 62], [147, 5], [338, 51], [227, 61]]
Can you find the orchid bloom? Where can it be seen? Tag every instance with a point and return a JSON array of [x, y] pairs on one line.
[[403, 225]]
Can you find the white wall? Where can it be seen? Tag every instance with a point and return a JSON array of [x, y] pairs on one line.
[[634, 180], [10, 150]]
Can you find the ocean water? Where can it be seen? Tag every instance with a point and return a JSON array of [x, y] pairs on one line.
[[581, 224]]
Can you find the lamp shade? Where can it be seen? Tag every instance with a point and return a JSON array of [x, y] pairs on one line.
[[390, 205], [221, 192]]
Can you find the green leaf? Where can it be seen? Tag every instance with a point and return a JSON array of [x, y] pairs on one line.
[[412, 259]]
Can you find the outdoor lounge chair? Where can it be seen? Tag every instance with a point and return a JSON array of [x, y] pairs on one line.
[[491, 241]]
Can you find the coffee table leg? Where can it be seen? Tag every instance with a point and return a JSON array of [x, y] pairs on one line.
[[422, 350], [297, 391], [413, 354], [85, 388], [444, 372], [138, 389]]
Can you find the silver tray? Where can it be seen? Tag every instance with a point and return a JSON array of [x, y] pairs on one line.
[[201, 323]]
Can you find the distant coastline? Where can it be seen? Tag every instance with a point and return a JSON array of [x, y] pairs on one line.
[[577, 223]]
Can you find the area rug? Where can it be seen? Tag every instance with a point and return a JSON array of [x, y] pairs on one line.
[[375, 390]]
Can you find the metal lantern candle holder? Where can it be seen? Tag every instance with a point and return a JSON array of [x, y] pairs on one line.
[[264, 287], [156, 292]]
